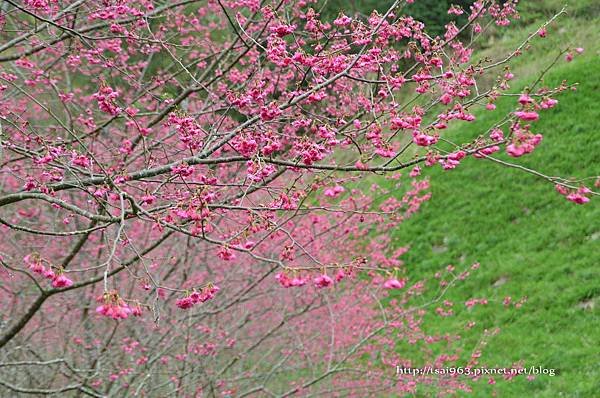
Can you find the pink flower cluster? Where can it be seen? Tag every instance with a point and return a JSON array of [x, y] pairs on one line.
[[226, 254], [474, 301], [282, 29], [496, 135], [183, 170], [34, 262], [342, 20], [269, 112], [246, 145], [80, 160], [285, 281], [196, 297], [452, 160], [528, 116], [422, 139], [334, 192], [394, 283], [106, 100], [486, 151], [60, 281], [39, 4], [579, 196], [190, 134], [529, 106], [113, 12], [113, 306], [523, 141], [309, 151], [320, 281]]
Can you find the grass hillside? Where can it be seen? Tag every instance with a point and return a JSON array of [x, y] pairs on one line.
[[529, 240]]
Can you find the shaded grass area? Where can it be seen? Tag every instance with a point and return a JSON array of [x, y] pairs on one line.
[[530, 242]]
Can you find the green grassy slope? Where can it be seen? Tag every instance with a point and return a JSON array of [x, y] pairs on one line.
[[525, 234]]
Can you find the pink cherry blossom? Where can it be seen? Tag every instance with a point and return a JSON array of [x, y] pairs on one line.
[[342, 20], [527, 115], [334, 192], [578, 198], [184, 303], [61, 281], [322, 281], [525, 99], [394, 283], [415, 172]]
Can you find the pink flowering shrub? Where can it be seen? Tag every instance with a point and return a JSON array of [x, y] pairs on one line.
[[191, 194]]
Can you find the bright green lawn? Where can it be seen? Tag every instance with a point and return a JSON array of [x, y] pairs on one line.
[[522, 231]]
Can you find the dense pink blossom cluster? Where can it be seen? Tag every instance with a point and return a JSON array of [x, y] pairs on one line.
[[196, 297], [580, 195], [113, 306], [523, 141], [36, 264], [106, 97], [394, 283]]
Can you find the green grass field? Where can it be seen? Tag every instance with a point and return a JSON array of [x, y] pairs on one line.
[[529, 240]]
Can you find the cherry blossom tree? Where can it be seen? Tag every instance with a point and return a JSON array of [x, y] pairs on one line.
[[197, 196]]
